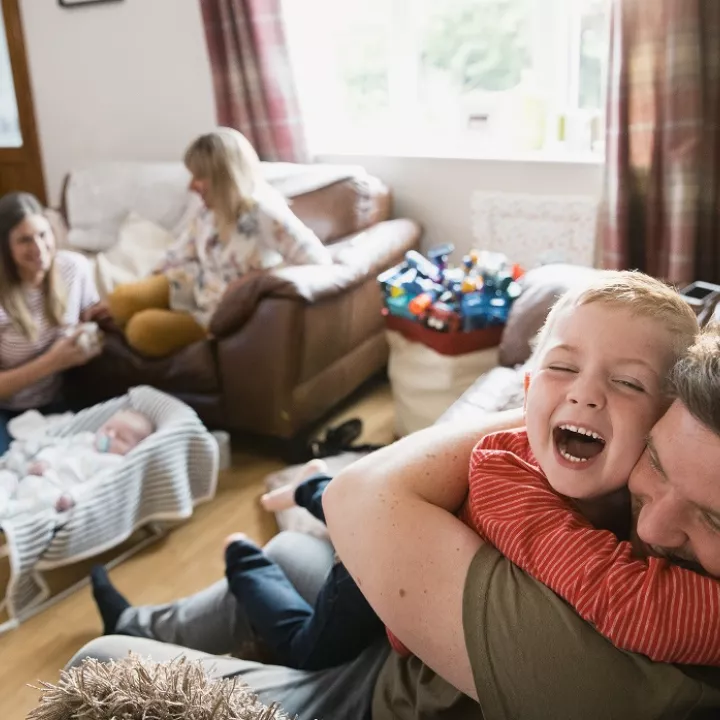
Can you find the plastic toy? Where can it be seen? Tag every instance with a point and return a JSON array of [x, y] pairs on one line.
[[476, 295]]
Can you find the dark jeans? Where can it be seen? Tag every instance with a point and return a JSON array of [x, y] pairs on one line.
[[7, 415], [336, 630]]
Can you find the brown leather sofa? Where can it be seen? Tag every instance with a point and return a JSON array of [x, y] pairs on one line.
[[287, 345]]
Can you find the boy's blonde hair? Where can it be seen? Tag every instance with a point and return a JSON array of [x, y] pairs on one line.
[[642, 295], [229, 162]]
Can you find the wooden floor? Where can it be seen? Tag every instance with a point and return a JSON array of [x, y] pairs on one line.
[[187, 560]]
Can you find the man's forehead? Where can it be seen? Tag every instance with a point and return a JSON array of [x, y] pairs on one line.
[[689, 454]]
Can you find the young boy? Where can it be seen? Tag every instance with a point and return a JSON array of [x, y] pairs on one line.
[[595, 392]]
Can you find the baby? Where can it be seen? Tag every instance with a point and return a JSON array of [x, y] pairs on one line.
[[42, 472]]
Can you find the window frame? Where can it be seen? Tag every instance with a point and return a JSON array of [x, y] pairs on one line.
[[556, 25]]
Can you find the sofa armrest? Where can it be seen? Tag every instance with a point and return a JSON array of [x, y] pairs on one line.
[[356, 258], [306, 283]]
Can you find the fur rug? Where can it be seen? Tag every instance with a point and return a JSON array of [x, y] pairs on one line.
[[139, 689]]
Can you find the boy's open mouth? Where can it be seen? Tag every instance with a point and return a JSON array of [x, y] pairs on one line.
[[577, 444]]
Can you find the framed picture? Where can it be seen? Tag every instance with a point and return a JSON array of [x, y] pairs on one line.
[[82, 3]]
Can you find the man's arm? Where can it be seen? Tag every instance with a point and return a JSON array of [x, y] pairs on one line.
[[390, 516]]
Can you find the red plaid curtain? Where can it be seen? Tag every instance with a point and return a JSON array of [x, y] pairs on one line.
[[254, 87], [661, 206]]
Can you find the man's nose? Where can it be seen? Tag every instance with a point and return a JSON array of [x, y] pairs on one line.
[[587, 392], [662, 521]]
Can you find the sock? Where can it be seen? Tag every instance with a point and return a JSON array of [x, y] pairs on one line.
[[110, 602]]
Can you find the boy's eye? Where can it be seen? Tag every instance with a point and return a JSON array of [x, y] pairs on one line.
[[562, 368], [631, 384]]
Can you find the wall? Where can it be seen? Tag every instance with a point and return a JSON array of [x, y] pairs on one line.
[[125, 81], [437, 191]]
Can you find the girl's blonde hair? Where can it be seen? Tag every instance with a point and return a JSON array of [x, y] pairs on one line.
[[227, 160], [14, 208]]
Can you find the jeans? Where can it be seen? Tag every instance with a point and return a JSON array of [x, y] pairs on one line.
[[336, 629]]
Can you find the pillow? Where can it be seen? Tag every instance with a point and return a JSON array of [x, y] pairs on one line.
[[95, 239], [140, 246]]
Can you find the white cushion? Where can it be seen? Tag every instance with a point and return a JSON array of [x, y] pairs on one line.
[[141, 245], [105, 193]]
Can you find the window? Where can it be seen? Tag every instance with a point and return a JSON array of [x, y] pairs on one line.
[[493, 77]]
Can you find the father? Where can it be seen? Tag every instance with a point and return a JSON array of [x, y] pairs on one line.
[[466, 612]]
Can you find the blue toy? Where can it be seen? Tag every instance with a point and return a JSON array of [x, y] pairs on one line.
[[476, 295]]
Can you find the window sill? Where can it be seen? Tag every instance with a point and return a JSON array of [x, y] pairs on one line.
[[558, 156]]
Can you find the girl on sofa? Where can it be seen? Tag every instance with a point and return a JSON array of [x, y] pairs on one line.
[[244, 226], [42, 293]]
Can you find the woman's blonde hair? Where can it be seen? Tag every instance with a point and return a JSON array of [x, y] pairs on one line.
[[14, 208], [227, 160]]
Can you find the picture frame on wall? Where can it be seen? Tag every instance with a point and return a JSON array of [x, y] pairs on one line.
[[69, 4]]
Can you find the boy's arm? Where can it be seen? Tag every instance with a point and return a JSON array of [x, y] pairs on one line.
[[648, 606]]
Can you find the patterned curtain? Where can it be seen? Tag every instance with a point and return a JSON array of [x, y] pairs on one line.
[[254, 87], [661, 204]]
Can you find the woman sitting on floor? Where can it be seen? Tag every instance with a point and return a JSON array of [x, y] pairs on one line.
[[42, 293], [244, 226]]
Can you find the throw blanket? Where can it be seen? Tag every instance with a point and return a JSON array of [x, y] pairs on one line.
[[162, 479]]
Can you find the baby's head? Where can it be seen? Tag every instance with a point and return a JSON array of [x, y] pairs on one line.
[[123, 431], [598, 379]]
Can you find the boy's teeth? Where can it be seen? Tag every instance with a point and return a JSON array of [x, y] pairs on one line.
[[582, 431], [570, 457]]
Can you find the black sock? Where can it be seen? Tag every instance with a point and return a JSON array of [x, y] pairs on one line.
[[110, 602]]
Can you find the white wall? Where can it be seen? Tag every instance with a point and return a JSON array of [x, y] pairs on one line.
[[437, 192], [122, 81]]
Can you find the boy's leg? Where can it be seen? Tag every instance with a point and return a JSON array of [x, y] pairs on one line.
[[157, 333], [212, 620], [131, 298], [308, 494], [337, 629]]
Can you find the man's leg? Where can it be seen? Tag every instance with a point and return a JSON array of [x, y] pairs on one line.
[[342, 692], [212, 620]]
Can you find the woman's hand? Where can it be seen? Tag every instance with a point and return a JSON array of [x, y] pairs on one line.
[[98, 313], [66, 353]]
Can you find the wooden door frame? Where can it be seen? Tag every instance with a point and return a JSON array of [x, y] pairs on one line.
[[23, 97]]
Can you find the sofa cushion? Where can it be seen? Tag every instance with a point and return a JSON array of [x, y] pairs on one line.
[[344, 207]]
